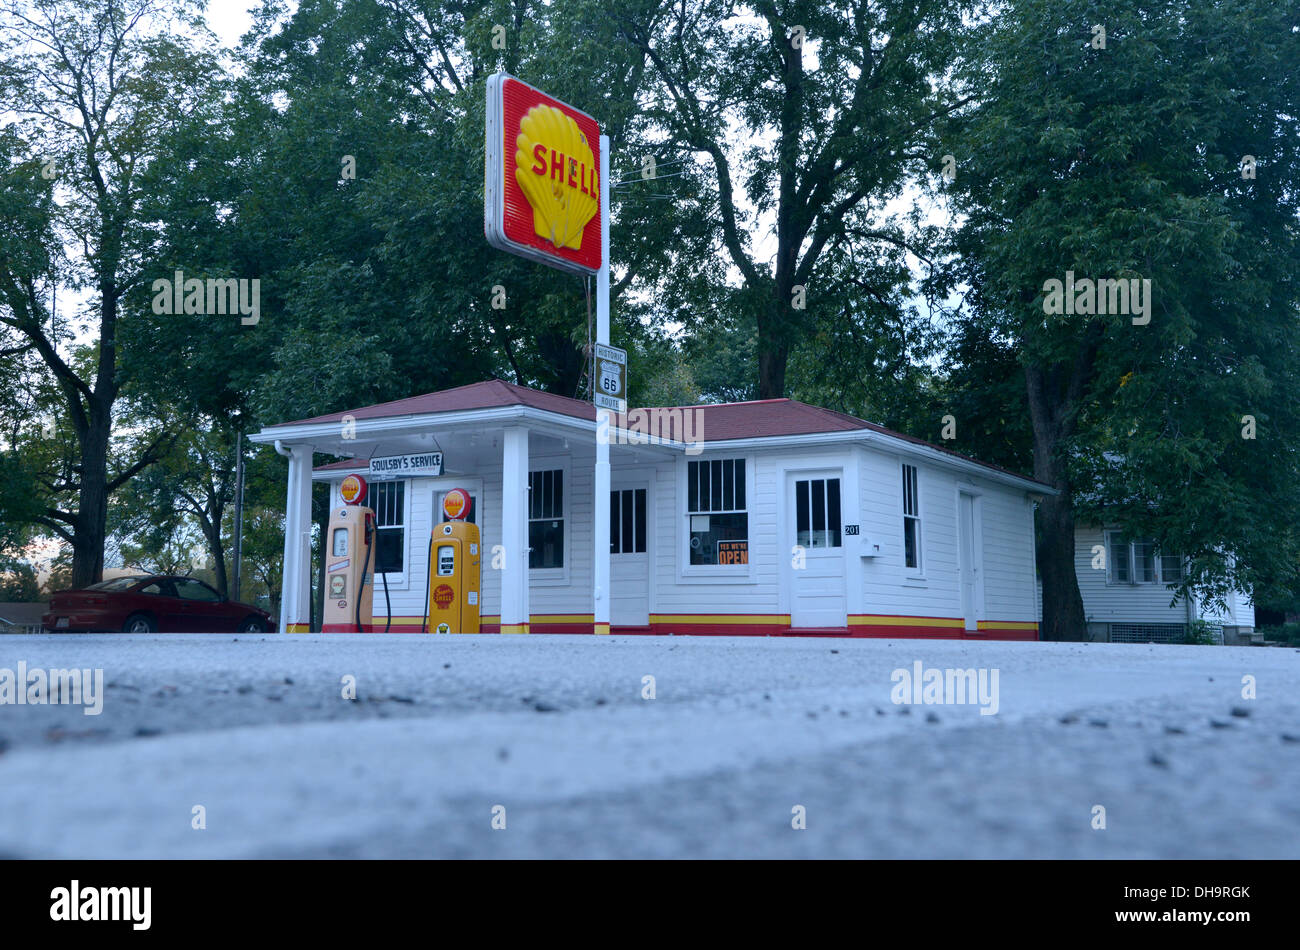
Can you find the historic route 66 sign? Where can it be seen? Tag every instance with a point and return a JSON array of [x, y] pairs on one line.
[[611, 377]]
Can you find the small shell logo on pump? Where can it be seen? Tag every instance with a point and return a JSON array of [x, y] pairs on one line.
[[556, 171]]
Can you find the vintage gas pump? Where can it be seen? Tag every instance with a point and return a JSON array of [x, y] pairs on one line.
[[349, 553], [452, 600]]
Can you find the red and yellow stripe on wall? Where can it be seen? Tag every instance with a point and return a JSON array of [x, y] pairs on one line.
[[738, 625]]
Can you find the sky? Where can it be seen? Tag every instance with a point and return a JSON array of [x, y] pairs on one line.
[[229, 19]]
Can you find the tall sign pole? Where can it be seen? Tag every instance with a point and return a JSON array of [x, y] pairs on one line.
[[239, 515], [600, 559], [544, 193]]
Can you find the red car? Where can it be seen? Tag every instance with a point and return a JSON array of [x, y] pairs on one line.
[[152, 603]]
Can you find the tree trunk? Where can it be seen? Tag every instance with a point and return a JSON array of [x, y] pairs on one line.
[[92, 514], [773, 351], [219, 564], [1052, 411], [1063, 614]]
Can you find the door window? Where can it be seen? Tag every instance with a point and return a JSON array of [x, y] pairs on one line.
[[817, 512], [627, 522]]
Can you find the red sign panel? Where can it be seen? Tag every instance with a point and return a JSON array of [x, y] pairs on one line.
[[443, 596], [542, 197]]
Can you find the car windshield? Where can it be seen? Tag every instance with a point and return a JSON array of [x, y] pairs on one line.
[[117, 583]]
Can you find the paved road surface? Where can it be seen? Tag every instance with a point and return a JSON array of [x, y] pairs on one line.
[[256, 730]]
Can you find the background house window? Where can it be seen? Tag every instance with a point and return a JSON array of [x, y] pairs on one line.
[[1117, 557], [715, 505], [1136, 562], [627, 521], [911, 518], [389, 501], [546, 518], [1144, 561], [817, 512]]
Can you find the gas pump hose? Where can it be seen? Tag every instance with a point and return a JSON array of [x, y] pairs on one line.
[[424, 623], [365, 569], [388, 606]]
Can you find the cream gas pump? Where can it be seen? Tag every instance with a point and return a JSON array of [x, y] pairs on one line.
[[349, 551], [452, 598]]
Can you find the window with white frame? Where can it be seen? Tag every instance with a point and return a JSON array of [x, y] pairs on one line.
[[546, 519], [389, 501], [715, 506], [1139, 562], [911, 518]]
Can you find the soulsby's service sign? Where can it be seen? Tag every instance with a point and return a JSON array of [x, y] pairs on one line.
[[542, 198]]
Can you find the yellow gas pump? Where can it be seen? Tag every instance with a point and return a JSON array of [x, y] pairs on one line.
[[349, 552], [452, 598]]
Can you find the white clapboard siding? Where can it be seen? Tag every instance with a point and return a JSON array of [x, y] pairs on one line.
[[886, 586]]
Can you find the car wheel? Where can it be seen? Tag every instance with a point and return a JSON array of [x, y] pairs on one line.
[[253, 625], [139, 623]]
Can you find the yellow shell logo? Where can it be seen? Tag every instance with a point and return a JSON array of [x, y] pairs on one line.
[[557, 173]]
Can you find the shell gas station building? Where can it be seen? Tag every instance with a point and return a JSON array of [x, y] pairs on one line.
[[768, 517], [494, 507]]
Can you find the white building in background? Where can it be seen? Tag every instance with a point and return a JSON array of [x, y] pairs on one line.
[[1127, 600]]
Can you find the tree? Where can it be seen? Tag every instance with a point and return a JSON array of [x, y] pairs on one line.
[[18, 582], [1120, 157], [806, 120], [95, 84]]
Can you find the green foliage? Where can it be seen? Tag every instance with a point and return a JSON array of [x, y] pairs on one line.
[[1199, 633], [1124, 162], [18, 582]]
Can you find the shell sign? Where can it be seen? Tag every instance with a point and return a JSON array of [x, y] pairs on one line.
[[353, 490], [542, 197], [456, 504]]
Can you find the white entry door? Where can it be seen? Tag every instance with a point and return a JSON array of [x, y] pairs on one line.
[[630, 527], [971, 554], [814, 549]]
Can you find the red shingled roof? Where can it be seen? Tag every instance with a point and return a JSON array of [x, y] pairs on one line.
[[719, 422], [491, 394]]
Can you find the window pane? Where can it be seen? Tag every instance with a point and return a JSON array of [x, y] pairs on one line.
[[740, 484], [614, 523], [692, 486], [1144, 559], [389, 503], [728, 485], [546, 543], [801, 520], [389, 547], [629, 531], [1118, 559], [833, 510], [818, 513], [557, 504], [716, 494], [640, 520], [1171, 568], [728, 527], [909, 543]]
